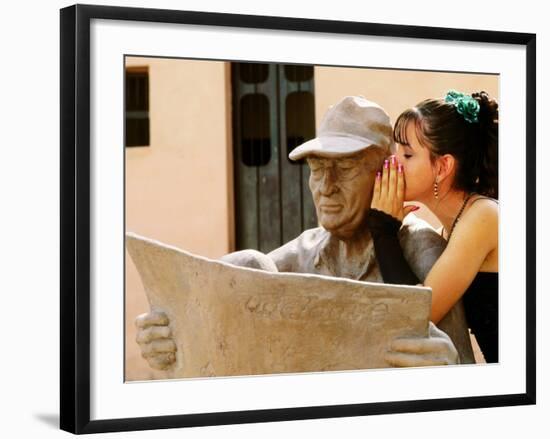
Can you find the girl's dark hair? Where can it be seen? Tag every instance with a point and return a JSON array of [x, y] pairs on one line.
[[474, 145]]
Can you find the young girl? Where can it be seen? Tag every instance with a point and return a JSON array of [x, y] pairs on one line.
[[448, 156]]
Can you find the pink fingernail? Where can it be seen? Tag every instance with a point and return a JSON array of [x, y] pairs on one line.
[[386, 164], [393, 160], [400, 168], [378, 175]]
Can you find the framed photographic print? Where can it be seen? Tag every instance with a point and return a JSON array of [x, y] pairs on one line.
[[218, 182]]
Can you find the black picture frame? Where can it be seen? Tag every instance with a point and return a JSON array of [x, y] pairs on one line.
[[75, 217]]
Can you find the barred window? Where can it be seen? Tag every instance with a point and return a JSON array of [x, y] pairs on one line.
[[137, 106]]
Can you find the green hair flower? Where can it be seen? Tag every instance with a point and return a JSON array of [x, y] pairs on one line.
[[466, 105]]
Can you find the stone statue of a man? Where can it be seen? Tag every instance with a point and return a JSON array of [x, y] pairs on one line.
[[354, 138]]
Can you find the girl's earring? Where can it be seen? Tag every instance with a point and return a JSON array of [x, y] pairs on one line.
[[436, 190]]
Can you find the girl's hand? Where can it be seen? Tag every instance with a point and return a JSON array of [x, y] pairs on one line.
[[389, 190]]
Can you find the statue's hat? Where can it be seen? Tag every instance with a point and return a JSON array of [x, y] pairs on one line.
[[351, 125]]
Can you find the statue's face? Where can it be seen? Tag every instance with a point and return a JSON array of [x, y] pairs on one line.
[[342, 189]]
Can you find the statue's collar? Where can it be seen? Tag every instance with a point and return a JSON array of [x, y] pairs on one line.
[[331, 258]]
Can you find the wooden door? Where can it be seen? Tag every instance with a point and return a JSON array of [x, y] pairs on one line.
[[273, 112]]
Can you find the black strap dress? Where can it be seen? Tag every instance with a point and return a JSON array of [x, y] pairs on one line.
[[481, 308]]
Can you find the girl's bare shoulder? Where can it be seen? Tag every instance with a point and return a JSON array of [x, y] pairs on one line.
[[483, 208], [476, 232], [481, 216]]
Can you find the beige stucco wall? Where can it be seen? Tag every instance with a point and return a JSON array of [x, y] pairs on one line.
[[179, 189]]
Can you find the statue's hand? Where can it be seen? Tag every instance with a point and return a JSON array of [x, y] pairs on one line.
[[435, 350], [155, 340]]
